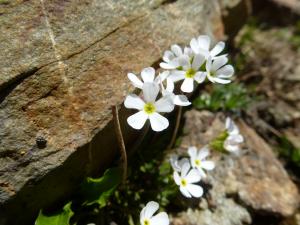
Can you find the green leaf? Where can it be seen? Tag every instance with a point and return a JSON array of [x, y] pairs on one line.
[[289, 151], [218, 143], [98, 190], [59, 218], [231, 97]]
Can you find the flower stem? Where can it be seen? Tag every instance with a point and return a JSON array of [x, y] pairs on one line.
[[120, 140], [174, 135]]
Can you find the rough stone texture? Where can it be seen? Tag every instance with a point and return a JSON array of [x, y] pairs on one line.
[[63, 64], [251, 181], [293, 5], [272, 59]]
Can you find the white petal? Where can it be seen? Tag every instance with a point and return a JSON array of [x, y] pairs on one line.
[[195, 190], [198, 61], [185, 62], [150, 92], [158, 122], [185, 169], [193, 176], [208, 64], [221, 81], [164, 104], [229, 124], [160, 219], [200, 77], [185, 192], [194, 45], [137, 120], [224, 55], [168, 56], [148, 74], [231, 148], [174, 163], [235, 139], [226, 71], [134, 80], [142, 215], [187, 85], [203, 153], [218, 48], [181, 162], [208, 165], [151, 208], [204, 42], [133, 101], [170, 85], [218, 63], [177, 75], [192, 151], [211, 79], [201, 172], [177, 178], [167, 66], [188, 51], [162, 76], [181, 100], [177, 50]]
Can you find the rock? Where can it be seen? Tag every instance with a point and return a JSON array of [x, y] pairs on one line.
[[252, 181], [271, 60], [292, 5], [63, 64]]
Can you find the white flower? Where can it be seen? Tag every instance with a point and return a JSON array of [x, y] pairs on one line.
[[149, 108], [170, 58], [198, 161], [201, 45], [148, 76], [147, 218], [234, 138], [186, 181], [217, 71], [177, 164], [180, 100], [189, 71]]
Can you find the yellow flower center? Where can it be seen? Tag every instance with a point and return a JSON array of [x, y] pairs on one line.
[[190, 73], [183, 182], [149, 108], [146, 222], [197, 162]]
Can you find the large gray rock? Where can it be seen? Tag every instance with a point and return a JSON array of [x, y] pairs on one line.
[[63, 64], [251, 182]]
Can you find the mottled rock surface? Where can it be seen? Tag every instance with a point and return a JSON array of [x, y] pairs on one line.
[[272, 61], [63, 64], [252, 181]]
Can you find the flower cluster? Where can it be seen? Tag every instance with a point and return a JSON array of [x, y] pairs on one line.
[[191, 64], [187, 172]]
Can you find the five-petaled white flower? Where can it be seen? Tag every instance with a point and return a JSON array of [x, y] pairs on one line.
[[177, 163], [189, 71], [147, 218], [201, 45], [180, 100], [170, 58], [234, 138], [186, 181], [217, 71], [198, 161], [149, 108]]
